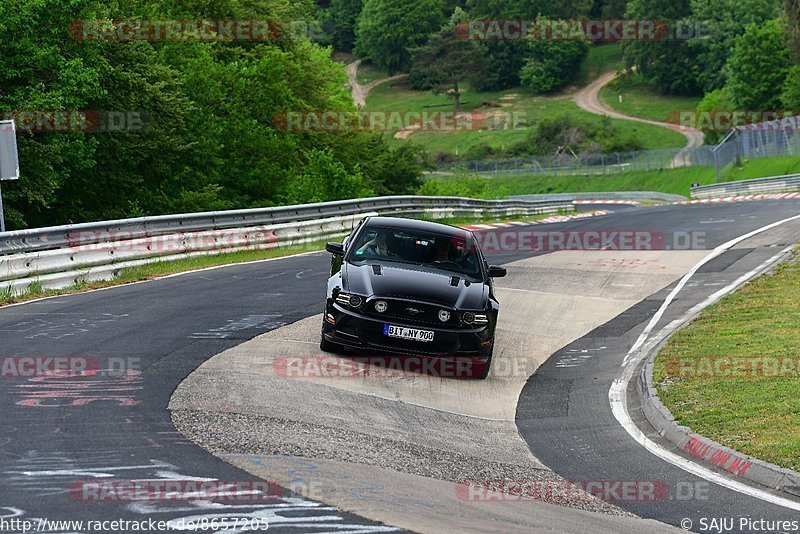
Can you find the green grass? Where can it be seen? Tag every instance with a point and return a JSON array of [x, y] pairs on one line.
[[397, 96], [759, 168], [602, 58], [640, 100], [757, 415], [677, 181], [368, 73]]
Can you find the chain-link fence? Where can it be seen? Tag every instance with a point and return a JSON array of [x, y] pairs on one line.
[[763, 140]]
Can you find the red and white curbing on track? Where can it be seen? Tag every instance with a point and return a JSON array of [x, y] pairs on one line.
[[742, 198], [625, 202], [552, 219]]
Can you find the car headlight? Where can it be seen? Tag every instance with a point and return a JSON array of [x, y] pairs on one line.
[[381, 306], [474, 318], [346, 299], [444, 315]]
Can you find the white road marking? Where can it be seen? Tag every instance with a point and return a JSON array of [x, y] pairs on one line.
[[617, 394]]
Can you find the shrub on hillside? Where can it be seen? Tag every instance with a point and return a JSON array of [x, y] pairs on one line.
[[463, 185], [551, 65]]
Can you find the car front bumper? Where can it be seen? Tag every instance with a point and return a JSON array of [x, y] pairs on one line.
[[356, 330]]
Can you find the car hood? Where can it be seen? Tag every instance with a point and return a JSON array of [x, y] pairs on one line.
[[410, 283]]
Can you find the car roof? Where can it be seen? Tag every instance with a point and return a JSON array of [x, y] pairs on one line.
[[416, 224]]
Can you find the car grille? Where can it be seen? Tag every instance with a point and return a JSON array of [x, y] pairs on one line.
[[411, 312]]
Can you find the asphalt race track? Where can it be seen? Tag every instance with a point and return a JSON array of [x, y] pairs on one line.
[[60, 431]]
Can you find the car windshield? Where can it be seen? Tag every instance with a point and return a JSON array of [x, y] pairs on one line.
[[456, 254]]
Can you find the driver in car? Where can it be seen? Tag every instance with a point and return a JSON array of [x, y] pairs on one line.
[[380, 245]]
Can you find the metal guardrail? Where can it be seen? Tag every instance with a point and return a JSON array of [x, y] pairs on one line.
[[788, 182], [78, 234], [612, 195], [61, 256]]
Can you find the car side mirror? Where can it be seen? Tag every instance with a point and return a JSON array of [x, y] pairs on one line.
[[497, 272], [335, 248]]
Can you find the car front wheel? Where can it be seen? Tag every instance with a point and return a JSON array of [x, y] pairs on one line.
[[485, 366]]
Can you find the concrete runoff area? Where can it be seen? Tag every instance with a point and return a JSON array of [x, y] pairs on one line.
[[394, 448]]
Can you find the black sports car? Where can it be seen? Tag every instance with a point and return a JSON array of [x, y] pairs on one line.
[[405, 286]]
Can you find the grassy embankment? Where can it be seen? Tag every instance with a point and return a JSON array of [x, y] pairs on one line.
[[516, 106], [641, 100], [677, 181], [756, 328]]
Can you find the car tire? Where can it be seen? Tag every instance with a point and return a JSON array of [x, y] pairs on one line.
[[327, 346], [485, 366]]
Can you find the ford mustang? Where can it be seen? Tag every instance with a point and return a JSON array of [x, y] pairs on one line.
[[405, 286]]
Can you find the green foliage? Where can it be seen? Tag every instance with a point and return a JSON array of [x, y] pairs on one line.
[[719, 100], [791, 12], [506, 58], [208, 139], [790, 97], [395, 170], [758, 66], [670, 65], [464, 186], [725, 20], [325, 178], [387, 30], [555, 134], [551, 64], [444, 62], [343, 17]]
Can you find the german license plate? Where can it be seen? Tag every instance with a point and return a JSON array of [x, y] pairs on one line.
[[402, 332]]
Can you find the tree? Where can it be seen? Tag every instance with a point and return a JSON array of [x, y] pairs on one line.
[[791, 11], [670, 65], [724, 21], [718, 100], [550, 65], [758, 66], [506, 58], [207, 139], [343, 16], [325, 178], [445, 62], [388, 29], [790, 97]]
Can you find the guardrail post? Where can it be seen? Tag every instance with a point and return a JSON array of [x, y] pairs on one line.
[[2, 215]]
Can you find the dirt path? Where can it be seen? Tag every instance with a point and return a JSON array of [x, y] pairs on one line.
[[588, 99], [359, 91]]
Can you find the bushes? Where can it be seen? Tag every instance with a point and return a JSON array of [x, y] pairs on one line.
[[210, 139], [324, 178], [463, 185], [551, 65]]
